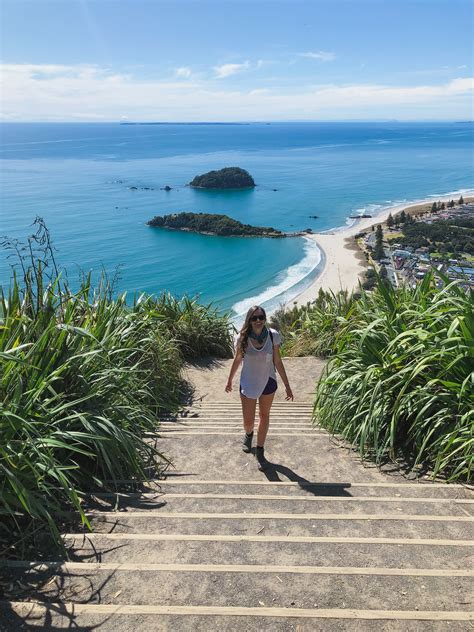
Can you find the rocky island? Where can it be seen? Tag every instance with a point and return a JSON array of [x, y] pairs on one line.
[[211, 224], [227, 178]]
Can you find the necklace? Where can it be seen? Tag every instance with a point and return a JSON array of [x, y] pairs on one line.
[[261, 337]]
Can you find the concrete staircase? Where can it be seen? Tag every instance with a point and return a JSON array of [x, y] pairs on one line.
[[318, 542]]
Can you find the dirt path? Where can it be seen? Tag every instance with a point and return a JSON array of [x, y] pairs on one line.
[[317, 542]]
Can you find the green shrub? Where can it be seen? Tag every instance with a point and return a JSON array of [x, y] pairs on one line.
[[400, 382], [311, 329], [199, 330], [83, 377]]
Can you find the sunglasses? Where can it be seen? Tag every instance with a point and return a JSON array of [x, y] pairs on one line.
[[255, 318]]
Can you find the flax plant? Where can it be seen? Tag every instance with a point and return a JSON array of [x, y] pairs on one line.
[[199, 330], [401, 382], [83, 377], [311, 329]]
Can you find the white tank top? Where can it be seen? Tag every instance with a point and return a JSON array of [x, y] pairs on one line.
[[258, 366]]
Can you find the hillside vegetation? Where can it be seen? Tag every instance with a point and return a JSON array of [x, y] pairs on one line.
[[83, 376], [227, 178], [399, 382], [212, 224], [450, 236]]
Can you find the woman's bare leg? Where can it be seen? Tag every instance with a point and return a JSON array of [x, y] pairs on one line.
[[248, 412], [264, 406]]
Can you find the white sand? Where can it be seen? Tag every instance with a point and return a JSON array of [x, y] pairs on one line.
[[343, 264]]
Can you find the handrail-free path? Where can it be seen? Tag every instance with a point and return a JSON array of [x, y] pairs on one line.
[[320, 541]]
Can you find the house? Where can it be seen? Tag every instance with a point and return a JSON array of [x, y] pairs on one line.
[[402, 254], [458, 271]]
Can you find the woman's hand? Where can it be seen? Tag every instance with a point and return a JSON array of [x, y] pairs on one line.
[[228, 386], [289, 393]]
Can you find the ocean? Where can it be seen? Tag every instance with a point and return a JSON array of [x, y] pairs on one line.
[[80, 178]]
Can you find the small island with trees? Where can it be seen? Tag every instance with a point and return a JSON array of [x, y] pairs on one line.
[[212, 224], [227, 178]]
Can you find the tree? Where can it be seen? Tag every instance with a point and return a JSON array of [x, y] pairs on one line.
[[443, 206], [370, 280], [434, 208], [383, 273], [451, 204], [378, 249], [390, 221], [402, 217], [461, 200]]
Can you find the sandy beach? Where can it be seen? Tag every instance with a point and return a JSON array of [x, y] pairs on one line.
[[344, 261]]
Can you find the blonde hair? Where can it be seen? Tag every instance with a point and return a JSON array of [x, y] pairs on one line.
[[247, 327]]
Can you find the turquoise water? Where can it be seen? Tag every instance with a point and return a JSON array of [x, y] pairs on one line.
[[78, 177]]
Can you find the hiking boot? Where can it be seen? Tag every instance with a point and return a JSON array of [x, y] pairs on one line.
[[247, 442], [261, 460]]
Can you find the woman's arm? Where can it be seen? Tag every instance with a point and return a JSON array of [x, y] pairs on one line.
[[281, 370], [233, 369]]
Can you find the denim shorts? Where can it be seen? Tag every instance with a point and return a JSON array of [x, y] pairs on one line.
[[270, 387]]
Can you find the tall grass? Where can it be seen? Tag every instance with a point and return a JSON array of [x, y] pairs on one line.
[[198, 329], [83, 377], [401, 382], [311, 329]]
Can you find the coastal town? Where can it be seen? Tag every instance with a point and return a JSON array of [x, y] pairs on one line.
[[401, 251]]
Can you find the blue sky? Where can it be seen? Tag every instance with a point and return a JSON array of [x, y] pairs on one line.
[[99, 60]]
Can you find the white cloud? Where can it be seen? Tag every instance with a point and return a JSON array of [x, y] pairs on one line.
[[184, 72], [226, 70], [258, 91], [320, 55], [59, 92], [461, 67]]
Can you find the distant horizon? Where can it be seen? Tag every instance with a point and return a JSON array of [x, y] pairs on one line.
[[237, 122]]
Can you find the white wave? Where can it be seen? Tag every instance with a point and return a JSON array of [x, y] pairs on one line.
[[50, 142], [286, 280], [467, 192]]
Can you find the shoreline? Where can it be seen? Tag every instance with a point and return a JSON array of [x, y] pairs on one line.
[[344, 262]]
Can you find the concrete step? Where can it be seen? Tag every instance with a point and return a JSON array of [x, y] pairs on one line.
[[276, 432], [250, 586], [421, 489], [237, 421], [228, 403], [291, 408], [122, 550], [319, 542], [158, 618], [237, 414], [267, 525], [312, 457], [238, 426], [234, 423], [237, 418], [279, 504], [305, 413], [236, 403]]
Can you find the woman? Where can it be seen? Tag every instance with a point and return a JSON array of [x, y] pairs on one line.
[[259, 348]]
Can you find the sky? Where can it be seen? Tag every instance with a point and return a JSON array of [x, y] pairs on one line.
[[227, 60]]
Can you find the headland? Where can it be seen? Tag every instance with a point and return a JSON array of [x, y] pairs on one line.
[[212, 224]]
